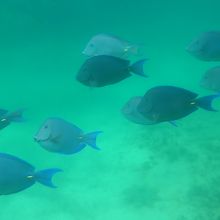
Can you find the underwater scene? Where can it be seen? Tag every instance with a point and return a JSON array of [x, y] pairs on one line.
[[110, 110]]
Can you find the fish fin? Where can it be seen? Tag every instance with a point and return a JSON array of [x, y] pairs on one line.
[[138, 67], [206, 102], [56, 139], [90, 139], [173, 123], [16, 116], [45, 176]]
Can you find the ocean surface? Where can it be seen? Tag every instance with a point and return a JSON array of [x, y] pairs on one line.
[[157, 172]]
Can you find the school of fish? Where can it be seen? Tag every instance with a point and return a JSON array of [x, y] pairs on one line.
[[107, 62]]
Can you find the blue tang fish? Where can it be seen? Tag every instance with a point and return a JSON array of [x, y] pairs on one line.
[[104, 70], [107, 44], [60, 136], [7, 117], [130, 112], [206, 47], [17, 175], [169, 103]]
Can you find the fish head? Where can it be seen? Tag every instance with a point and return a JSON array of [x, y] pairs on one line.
[[105, 44], [148, 107], [130, 112], [49, 131], [83, 74], [198, 47], [86, 76], [91, 48], [131, 105], [211, 79], [205, 81], [206, 47]]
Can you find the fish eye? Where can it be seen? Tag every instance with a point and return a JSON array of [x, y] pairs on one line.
[[45, 126], [91, 45]]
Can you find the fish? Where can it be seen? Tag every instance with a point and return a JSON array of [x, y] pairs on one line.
[[60, 136], [211, 79], [170, 103], [106, 44], [6, 117], [17, 175], [129, 111], [206, 46], [100, 71]]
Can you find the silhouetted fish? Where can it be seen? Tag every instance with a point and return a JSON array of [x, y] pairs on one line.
[[100, 71], [206, 47], [169, 103]]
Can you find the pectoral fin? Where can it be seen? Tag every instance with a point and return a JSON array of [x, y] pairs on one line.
[[55, 139]]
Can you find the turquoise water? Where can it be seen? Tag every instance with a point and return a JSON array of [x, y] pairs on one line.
[[155, 172]]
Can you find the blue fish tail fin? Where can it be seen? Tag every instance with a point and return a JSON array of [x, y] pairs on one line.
[[138, 68], [206, 102], [45, 176], [91, 139], [16, 116]]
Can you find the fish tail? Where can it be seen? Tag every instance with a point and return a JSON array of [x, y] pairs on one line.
[[91, 139], [45, 176], [138, 67], [206, 102]]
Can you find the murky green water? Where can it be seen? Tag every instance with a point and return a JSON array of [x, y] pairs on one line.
[[142, 172]]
